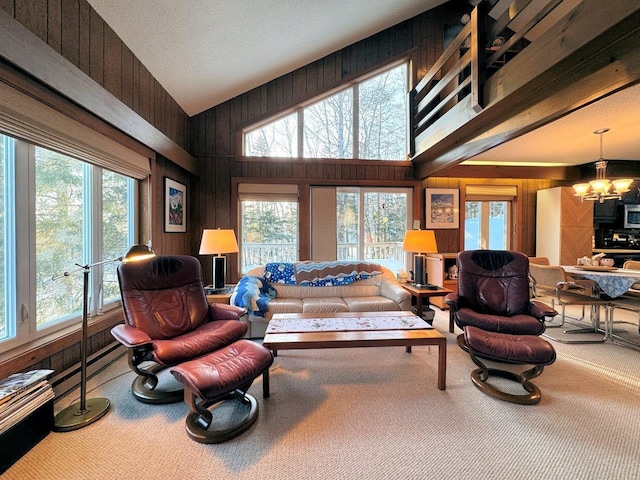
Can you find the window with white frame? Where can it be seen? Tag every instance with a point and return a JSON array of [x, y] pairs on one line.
[[57, 213], [360, 223], [269, 225], [371, 224], [366, 120]]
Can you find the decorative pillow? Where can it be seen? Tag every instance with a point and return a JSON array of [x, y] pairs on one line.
[[280, 272]]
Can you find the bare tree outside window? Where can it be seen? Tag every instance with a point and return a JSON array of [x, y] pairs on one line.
[[328, 126], [383, 114], [276, 139], [269, 232]]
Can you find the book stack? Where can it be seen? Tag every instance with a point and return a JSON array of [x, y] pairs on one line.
[[21, 394]]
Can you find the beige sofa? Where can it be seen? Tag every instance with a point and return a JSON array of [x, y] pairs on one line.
[[379, 293]]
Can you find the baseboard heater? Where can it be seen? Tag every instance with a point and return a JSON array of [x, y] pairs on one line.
[[69, 379]]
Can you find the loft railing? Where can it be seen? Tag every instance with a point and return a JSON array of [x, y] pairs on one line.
[[452, 92]]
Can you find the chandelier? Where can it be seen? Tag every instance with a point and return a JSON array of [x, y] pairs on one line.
[[600, 189]]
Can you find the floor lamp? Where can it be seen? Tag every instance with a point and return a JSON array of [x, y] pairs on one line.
[[218, 242], [87, 411], [419, 242]]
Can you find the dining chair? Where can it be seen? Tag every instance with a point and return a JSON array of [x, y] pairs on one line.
[[630, 301], [552, 281]]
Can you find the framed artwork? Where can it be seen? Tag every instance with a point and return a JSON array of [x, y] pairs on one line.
[[175, 206], [442, 210]]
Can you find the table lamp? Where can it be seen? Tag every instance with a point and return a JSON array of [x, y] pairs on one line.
[[419, 242], [87, 411], [217, 242]]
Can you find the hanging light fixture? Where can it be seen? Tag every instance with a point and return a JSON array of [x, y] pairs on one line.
[[600, 188]]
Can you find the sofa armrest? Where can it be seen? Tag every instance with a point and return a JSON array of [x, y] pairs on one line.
[[394, 291]]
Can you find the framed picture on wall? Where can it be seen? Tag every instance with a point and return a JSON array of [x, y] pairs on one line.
[[175, 206], [442, 208]]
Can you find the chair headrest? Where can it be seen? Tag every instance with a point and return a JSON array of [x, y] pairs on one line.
[[160, 273]]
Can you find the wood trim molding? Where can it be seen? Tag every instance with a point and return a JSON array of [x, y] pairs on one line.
[[45, 347]]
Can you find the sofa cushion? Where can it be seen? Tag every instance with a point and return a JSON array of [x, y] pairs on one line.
[[284, 305], [358, 289], [324, 305], [374, 303]]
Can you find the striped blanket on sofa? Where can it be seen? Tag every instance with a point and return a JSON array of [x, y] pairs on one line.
[[319, 274]]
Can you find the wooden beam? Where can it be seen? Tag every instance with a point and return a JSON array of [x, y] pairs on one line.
[[500, 171], [518, 102], [22, 48]]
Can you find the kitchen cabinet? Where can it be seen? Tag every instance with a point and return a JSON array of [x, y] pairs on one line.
[[564, 226]]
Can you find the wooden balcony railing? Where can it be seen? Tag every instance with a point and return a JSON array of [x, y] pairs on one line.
[[492, 80]]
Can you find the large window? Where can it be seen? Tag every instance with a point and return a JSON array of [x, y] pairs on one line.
[[269, 224], [371, 224], [486, 225], [488, 216], [65, 213], [367, 120]]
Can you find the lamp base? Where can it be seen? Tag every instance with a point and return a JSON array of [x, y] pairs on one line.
[[73, 418], [219, 272], [419, 270]]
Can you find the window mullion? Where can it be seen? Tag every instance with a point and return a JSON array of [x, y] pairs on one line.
[[356, 121], [300, 131], [25, 313], [92, 226]]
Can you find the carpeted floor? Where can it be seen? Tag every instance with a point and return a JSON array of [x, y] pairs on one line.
[[372, 414]]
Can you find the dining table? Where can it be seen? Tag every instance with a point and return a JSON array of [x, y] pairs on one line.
[[612, 281]]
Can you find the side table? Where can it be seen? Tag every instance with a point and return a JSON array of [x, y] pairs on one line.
[[422, 293], [224, 297]]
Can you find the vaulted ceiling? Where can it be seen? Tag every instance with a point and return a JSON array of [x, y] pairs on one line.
[[205, 52]]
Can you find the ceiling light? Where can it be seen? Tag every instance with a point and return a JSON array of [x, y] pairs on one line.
[[600, 189]]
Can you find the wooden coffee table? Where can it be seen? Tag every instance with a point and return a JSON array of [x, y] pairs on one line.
[[359, 338]]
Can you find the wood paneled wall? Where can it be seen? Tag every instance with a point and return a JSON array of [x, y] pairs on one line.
[[215, 134], [525, 210], [74, 30]]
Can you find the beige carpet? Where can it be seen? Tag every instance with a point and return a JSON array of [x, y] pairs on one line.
[[372, 414]]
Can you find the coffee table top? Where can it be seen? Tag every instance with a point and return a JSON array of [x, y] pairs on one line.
[[351, 338]]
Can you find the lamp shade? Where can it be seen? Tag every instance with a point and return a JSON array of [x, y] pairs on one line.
[[137, 253], [217, 241], [420, 241]]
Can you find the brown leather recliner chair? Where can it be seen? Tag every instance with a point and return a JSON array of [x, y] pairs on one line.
[[499, 321], [168, 320], [493, 294]]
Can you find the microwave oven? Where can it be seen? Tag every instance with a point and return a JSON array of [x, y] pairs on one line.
[[632, 216]]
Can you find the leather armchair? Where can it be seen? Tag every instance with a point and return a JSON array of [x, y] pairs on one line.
[[168, 320], [493, 294]]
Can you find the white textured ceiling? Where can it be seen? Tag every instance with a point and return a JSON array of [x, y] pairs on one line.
[[571, 141], [204, 52]]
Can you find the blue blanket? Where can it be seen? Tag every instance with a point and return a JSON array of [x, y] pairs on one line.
[[253, 294]]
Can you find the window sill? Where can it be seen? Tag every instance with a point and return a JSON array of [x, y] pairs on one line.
[[24, 356]]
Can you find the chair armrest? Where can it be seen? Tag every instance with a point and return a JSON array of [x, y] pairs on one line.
[[451, 299], [566, 295], [540, 310], [129, 336], [221, 311]]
